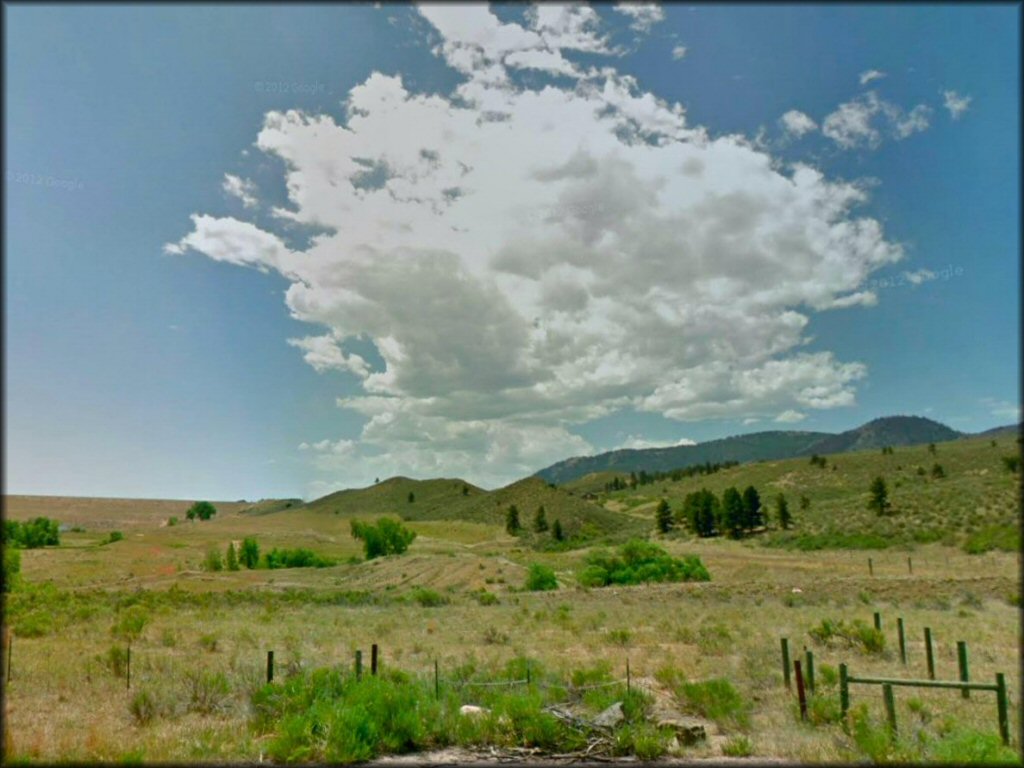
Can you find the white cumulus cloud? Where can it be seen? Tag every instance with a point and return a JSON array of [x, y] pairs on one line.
[[642, 16], [797, 123], [637, 442], [679, 52], [528, 258], [955, 103], [869, 75], [241, 188], [865, 120]]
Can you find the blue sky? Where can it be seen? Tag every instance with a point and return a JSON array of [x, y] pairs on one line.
[[451, 241]]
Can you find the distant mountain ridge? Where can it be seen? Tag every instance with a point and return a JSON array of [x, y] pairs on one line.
[[758, 446]]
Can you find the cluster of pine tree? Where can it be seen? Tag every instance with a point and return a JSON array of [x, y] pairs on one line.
[[644, 477], [735, 514]]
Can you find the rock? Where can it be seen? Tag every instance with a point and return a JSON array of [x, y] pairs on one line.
[[472, 710], [688, 730], [611, 716]]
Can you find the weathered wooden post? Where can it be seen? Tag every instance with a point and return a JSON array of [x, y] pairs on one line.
[[800, 689], [359, 665], [890, 708], [961, 657], [810, 670], [903, 640], [871, 567], [844, 690], [785, 661], [270, 666], [373, 659], [1002, 703], [437, 682], [929, 652], [910, 566], [128, 669]]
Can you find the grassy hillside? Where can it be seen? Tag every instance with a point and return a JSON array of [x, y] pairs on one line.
[[977, 492], [106, 514], [432, 499]]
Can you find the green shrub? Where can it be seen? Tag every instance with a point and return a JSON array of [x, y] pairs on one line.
[[172, 521], [718, 700], [387, 537], [295, 558], [208, 642], [213, 561], [1002, 537], [428, 598], [857, 633], [32, 534], [12, 567], [486, 598], [637, 562], [249, 553], [130, 623], [206, 691], [619, 637], [738, 746], [114, 536], [203, 510], [150, 702], [540, 578], [967, 746], [116, 660]]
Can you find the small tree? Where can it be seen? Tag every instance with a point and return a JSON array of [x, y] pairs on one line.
[[782, 512], [1011, 463], [937, 471], [212, 561], [540, 520], [663, 517], [752, 509], [540, 578], [465, 490], [232, 557], [879, 500], [412, 497], [12, 567], [732, 513], [931, 448], [805, 503], [512, 520], [202, 510], [387, 537], [556, 531], [250, 554]]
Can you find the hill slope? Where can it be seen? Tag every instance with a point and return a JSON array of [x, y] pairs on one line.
[[758, 446], [432, 499]]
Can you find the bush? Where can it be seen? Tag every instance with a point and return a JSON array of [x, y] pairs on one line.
[[387, 537], [1003, 537], [203, 510], [540, 578], [738, 746], [33, 534], [639, 561], [12, 567], [428, 598], [486, 598], [206, 691], [718, 700], [295, 558], [213, 561], [249, 553], [858, 633], [172, 521], [130, 624], [1011, 463]]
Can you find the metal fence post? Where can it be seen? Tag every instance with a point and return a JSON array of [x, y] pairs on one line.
[[844, 690], [890, 708], [961, 656], [785, 661], [903, 641], [800, 689], [929, 652], [810, 670], [1002, 704]]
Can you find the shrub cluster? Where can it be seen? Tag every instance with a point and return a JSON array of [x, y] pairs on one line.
[[40, 532], [869, 639], [387, 537], [294, 558], [637, 562]]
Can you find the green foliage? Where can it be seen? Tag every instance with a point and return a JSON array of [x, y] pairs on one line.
[[1011, 463], [387, 537], [879, 499], [512, 525], [700, 511], [172, 521], [540, 578], [782, 513], [114, 536], [937, 471], [732, 513], [130, 623], [116, 660], [819, 461], [855, 634], [639, 561], [540, 520], [213, 560], [718, 700], [663, 519], [202, 510], [752, 515], [1002, 537], [33, 534], [556, 531], [411, 497], [206, 691], [250, 552], [428, 598], [294, 558], [486, 598], [12, 567], [738, 746], [232, 557]]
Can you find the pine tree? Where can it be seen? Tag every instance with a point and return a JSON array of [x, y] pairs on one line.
[[556, 531], [732, 513], [879, 500], [250, 555], [663, 517], [412, 497], [782, 512], [512, 520], [540, 521], [232, 557], [752, 509]]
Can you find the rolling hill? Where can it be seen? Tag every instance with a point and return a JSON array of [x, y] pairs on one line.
[[758, 446]]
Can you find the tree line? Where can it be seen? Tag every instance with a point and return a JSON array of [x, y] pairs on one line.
[[643, 477], [735, 514]]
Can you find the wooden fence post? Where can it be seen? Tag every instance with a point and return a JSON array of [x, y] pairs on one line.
[[910, 566], [800, 689], [844, 690], [1002, 705], [270, 666], [528, 678], [929, 652], [890, 708], [628, 681], [961, 657], [871, 567], [373, 659], [437, 682], [359, 665], [785, 661], [903, 640]]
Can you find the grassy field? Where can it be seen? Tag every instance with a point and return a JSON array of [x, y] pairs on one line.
[[199, 659]]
